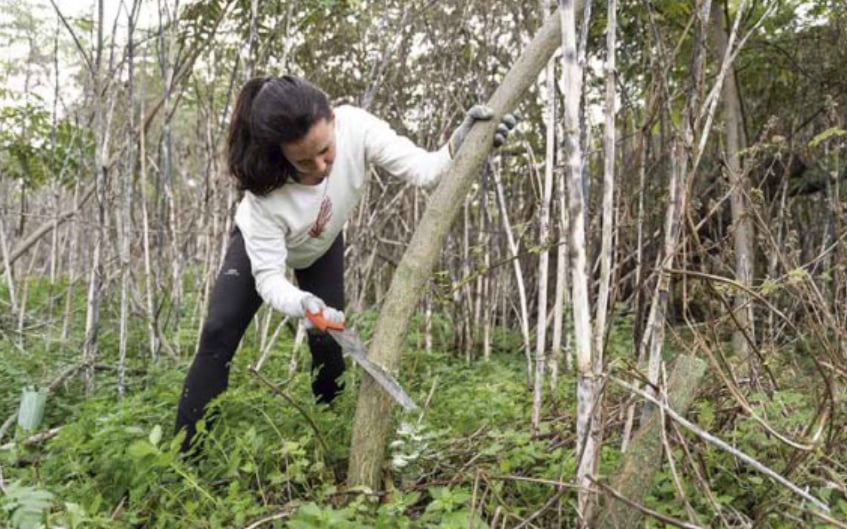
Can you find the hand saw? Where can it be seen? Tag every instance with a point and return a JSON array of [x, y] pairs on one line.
[[353, 346]]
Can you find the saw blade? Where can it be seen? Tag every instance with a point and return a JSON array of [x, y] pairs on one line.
[[353, 346]]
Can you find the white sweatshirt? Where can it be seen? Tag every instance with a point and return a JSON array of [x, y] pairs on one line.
[[295, 224]]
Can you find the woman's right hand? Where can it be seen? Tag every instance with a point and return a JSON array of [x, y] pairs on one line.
[[315, 305]]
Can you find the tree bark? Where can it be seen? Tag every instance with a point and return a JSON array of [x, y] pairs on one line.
[[634, 478], [373, 418]]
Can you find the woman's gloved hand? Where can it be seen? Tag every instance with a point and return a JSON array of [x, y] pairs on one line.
[[315, 305], [482, 113]]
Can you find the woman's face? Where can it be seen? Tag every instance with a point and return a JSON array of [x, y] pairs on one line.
[[312, 156]]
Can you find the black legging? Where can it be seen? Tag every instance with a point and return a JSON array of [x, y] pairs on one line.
[[233, 304]]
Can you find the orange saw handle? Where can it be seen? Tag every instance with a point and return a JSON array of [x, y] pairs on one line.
[[321, 323]]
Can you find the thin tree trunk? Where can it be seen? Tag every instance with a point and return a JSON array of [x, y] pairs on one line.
[[639, 296], [24, 296], [252, 41], [428, 324], [640, 336], [682, 148], [55, 261], [655, 331], [586, 385], [210, 232], [516, 264], [560, 347], [10, 281], [740, 189], [388, 48], [466, 304], [56, 189], [543, 241], [149, 293], [167, 61], [837, 288], [372, 420], [479, 291], [584, 138], [212, 205], [92, 314], [73, 243], [606, 251], [125, 215], [487, 307]]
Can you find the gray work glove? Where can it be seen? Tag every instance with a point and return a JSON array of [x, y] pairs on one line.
[[315, 305], [481, 113]]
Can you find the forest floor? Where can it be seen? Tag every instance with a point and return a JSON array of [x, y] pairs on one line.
[[469, 459]]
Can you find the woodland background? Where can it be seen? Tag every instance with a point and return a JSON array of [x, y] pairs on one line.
[[713, 209]]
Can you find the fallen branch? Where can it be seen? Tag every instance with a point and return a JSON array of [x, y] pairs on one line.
[[40, 437], [696, 430]]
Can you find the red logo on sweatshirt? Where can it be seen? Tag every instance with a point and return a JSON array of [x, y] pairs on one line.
[[324, 215]]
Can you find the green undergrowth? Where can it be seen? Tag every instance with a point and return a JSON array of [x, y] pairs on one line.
[[470, 458], [114, 463]]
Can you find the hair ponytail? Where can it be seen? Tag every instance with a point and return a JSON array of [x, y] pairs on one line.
[[269, 112]]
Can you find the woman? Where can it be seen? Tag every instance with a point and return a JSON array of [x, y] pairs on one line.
[[303, 167]]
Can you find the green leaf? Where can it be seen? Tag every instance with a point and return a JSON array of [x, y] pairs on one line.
[[27, 505], [75, 515], [141, 449], [155, 435]]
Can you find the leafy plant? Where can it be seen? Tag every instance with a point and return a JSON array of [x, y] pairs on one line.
[[26, 506]]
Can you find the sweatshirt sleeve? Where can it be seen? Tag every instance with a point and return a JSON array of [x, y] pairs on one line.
[[399, 155], [264, 240]]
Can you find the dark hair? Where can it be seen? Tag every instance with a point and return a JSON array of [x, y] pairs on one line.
[[271, 111]]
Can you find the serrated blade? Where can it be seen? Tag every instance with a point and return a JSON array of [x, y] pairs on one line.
[[352, 345]]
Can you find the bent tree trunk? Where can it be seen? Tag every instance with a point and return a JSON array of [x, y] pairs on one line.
[[373, 416]]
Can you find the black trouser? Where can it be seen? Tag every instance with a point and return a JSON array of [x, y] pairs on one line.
[[232, 306]]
